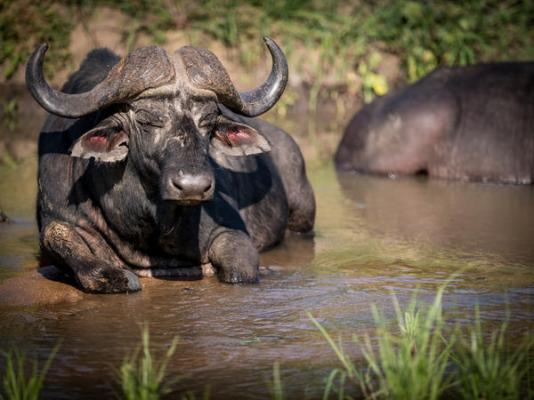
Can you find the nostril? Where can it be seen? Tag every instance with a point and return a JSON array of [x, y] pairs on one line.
[[176, 184], [208, 187], [191, 186]]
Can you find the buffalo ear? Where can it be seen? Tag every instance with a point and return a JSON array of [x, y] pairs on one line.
[[237, 139], [106, 143]]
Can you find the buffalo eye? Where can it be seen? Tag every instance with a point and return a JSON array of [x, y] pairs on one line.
[[207, 122], [148, 119]]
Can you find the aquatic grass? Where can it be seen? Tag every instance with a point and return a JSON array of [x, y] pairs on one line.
[[141, 376], [336, 380], [23, 379], [206, 394], [421, 355], [409, 362], [488, 369], [276, 386]]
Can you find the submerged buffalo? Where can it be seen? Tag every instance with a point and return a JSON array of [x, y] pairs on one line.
[[469, 123], [145, 171]]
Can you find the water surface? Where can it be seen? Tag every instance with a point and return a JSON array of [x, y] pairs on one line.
[[374, 236]]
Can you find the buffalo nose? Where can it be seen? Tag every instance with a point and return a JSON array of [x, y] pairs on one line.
[[191, 187]]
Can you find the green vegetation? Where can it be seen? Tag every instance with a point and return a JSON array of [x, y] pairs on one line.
[[488, 369], [428, 34], [330, 40], [408, 363], [141, 376], [10, 114], [341, 53], [276, 387], [23, 379], [24, 24], [415, 358], [419, 359]]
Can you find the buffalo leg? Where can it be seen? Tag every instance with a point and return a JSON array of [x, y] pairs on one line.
[[301, 207], [235, 258], [94, 265]]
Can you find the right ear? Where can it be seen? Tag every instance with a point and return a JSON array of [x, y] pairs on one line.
[[107, 142]]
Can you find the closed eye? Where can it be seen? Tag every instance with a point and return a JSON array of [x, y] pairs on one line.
[[147, 119], [207, 121], [155, 124]]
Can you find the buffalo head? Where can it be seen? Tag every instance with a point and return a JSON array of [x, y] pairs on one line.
[[165, 116]]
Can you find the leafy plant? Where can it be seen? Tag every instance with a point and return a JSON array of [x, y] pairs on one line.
[[24, 24], [429, 34], [10, 114], [372, 82], [339, 36]]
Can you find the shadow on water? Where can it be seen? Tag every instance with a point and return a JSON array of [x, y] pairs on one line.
[[373, 235]]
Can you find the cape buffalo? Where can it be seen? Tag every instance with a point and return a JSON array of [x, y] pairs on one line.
[[470, 123], [145, 171]]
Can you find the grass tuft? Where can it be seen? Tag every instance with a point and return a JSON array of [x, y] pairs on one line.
[[418, 358], [408, 362], [488, 369], [23, 379], [141, 376], [276, 386]]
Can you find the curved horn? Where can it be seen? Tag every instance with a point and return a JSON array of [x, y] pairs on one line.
[[53, 101], [205, 71], [261, 99], [144, 68]]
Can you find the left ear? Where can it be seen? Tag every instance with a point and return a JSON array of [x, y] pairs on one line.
[[237, 139], [106, 142]]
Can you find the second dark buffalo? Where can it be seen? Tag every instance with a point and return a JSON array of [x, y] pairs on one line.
[[151, 166], [472, 123]]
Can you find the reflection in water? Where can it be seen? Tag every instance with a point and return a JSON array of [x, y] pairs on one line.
[[373, 235], [472, 217]]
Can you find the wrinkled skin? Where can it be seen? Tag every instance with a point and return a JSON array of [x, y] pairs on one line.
[[470, 123], [159, 186]]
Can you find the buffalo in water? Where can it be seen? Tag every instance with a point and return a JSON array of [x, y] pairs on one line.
[[472, 123], [151, 166]]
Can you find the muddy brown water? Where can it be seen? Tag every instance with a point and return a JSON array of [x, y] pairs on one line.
[[373, 236]]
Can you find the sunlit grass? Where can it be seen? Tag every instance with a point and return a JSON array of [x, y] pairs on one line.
[[408, 362], [489, 369], [206, 395], [276, 386], [23, 379], [422, 356], [417, 355], [142, 377]]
